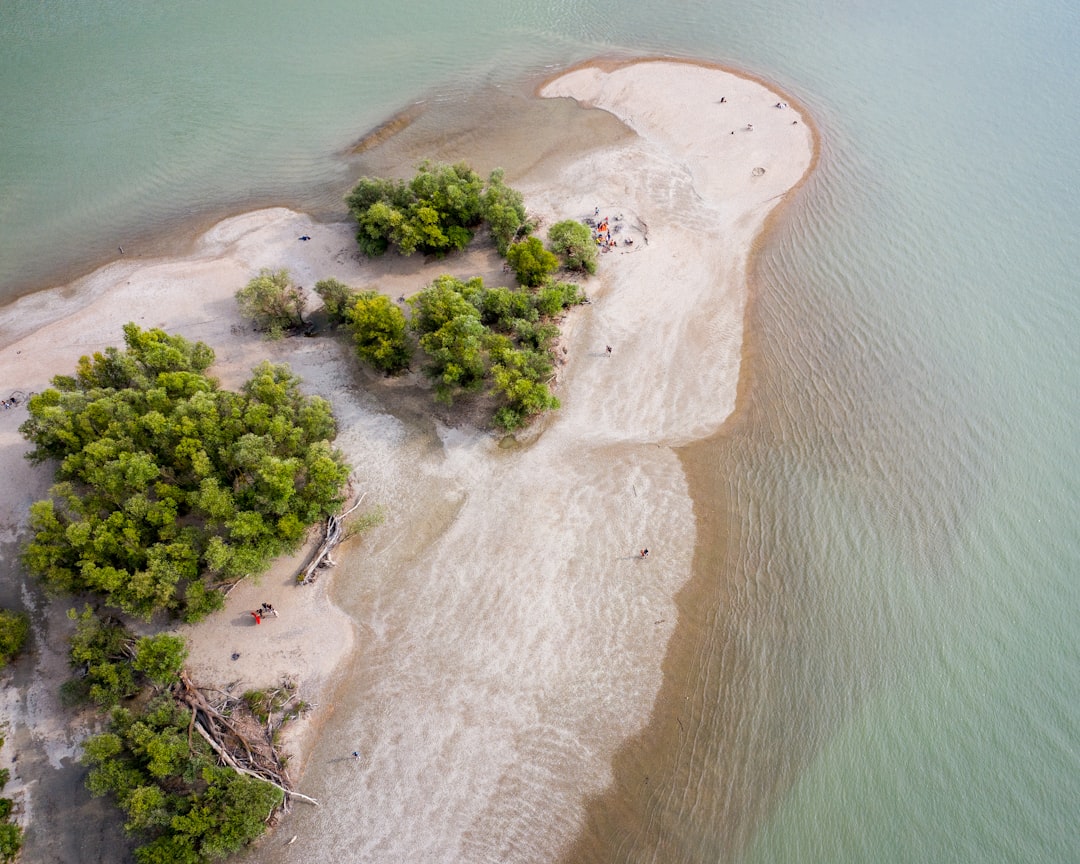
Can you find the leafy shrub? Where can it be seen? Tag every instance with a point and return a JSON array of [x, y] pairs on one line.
[[512, 354], [553, 297], [14, 628], [573, 243], [503, 208], [438, 211], [273, 302], [169, 786], [161, 658], [11, 837], [435, 212], [378, 329], [100, 652], [337, 298], [531, 262]]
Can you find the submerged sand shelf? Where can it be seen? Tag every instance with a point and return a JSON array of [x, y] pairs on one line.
[[493, 643]]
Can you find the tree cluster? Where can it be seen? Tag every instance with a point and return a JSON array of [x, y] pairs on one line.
[[472, 335], [170, 487], [187, 795], [435, 212]]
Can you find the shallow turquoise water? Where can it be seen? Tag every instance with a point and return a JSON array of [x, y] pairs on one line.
[[904, 649]]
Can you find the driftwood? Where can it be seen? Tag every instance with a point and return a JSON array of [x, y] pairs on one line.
[[335, 533], [228, 760], [249, 753]]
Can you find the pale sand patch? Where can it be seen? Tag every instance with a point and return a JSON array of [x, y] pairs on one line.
[[505, 641]]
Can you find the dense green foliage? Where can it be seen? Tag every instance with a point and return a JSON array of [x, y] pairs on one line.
[[273, 302], [111, 665], [503, 208], [379, 331], [14, 628], [168, 784], [474, 335], [11, 837], [378, 327], [337, 297], [531, 262], [169, 486], [438, 211], [100, 653], [166, 780], [573, 242], [11, 834]]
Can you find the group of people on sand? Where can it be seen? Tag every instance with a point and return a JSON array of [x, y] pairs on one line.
[[264, 610], [602, 231], [13, 400]]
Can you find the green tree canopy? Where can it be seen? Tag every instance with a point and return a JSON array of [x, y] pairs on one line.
[[573, 242], [337, 297], [475, 336], [168, 486], [14, 628], [531, 262], [437, 211], [273, 302], [379, 331], [170, 788], [503, 208]]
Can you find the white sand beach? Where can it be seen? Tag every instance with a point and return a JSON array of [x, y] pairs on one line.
[[494, 642]]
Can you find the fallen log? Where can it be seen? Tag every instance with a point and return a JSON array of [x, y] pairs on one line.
[[239, 769], [335, 533]]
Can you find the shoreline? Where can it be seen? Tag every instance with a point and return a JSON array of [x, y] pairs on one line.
[[515, 692]]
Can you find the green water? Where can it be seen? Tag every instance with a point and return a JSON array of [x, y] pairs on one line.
[[900, 646]]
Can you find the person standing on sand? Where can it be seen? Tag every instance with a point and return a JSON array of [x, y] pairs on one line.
[[257, 617], [609, 350], [644, 553]]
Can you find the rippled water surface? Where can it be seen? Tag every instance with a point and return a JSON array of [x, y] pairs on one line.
[[883, 664]]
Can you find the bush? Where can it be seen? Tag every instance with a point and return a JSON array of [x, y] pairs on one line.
[[573, 243], [161, 658], [99, 653], [503, 208], [14, 628], [337, 298], [531, 262], [167, 783], [556, 296], [11, 837], [378, 329], [273, 302]]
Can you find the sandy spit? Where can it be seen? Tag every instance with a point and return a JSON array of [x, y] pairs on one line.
[[495, 641]]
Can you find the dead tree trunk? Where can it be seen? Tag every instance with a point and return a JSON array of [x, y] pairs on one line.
[[335, 533], [252, 758]]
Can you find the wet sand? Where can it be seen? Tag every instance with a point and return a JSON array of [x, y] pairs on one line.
[[496, 641]]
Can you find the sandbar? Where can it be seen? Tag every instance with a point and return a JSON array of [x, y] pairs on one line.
[[493, 643]]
